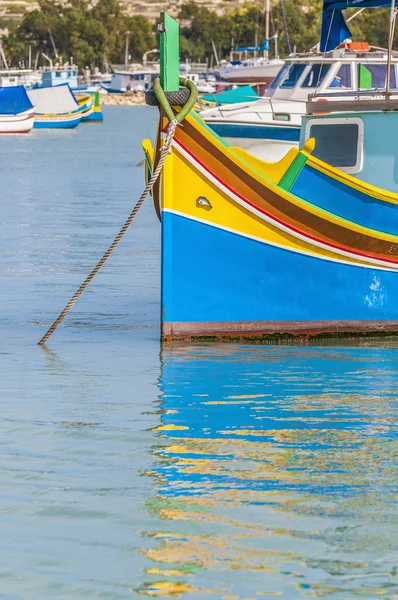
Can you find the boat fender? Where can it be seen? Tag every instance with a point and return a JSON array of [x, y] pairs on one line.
[[164, 102], [175, 98], [318, 112]]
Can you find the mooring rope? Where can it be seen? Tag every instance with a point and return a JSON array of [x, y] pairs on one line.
[[164, 151]]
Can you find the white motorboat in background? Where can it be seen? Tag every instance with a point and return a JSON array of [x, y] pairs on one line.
[[271, 126], [252, 70]]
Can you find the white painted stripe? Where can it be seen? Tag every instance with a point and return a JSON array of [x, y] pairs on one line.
[[276, 224]]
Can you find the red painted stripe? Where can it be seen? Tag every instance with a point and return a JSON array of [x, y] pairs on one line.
[[276, 219]]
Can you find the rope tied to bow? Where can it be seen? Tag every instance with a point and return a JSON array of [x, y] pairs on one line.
[[174, 121]]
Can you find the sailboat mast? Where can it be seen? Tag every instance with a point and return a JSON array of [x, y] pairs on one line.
[[390, 41], [267, 14]]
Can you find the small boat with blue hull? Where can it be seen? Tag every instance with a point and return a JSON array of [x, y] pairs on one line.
[[16, 110], [252, 249], [55, 107], [90, 106]]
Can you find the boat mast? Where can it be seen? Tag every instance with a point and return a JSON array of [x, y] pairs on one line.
[[3, 56], [289, 49], [390, 41], [266, 41]]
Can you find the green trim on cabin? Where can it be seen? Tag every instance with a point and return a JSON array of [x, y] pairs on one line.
[[364, 78], [169, 54], [288, 179]]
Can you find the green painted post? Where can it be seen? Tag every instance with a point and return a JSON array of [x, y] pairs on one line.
[[169, 54]]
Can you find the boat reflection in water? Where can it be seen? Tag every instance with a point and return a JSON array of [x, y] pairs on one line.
[[277, 474]]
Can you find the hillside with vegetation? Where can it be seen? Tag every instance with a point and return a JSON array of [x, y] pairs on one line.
[[94, 34]]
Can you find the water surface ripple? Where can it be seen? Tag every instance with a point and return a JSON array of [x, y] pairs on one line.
[[229, 472]]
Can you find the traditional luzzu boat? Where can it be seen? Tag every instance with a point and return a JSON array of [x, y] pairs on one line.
[[16, 110], [255, 250], [55, 107], [97, 114], [85, 102], [90, 106]]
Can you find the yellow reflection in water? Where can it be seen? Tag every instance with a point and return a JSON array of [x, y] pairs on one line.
[[276, 504]]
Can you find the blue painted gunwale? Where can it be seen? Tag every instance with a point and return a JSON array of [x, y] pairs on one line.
[[349, 203], [260, 132], [212, 275], [57, 124]]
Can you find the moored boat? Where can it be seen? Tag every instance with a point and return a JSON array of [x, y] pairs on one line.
[[16, 110], [250, 253], [269, 127], [252, 70], [90, 105], [55, 107], [85, 102]]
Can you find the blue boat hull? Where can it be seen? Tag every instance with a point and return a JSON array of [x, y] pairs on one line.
[[52, 124], [95, 116], [222, 277]]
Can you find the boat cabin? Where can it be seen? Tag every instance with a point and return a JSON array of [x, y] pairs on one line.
[[54, 77], [355, 134], [135, 80], [345, 69], [14, 77]]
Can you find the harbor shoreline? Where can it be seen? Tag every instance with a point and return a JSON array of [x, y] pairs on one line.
[[126, 99]]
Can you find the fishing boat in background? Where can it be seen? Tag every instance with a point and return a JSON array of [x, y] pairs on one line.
[[85, 102], [55, 107], [60, 75], [93, 112], [137, 78], [13, 77], [258, 69], [255, 250], [16, 110], [252, 70]]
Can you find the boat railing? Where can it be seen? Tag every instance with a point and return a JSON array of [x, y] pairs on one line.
[[352, 101], [374, 92]]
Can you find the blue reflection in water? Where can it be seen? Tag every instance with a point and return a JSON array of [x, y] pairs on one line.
[[277, 472]]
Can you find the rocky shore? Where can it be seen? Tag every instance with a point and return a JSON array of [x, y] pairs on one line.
[[127, 99]]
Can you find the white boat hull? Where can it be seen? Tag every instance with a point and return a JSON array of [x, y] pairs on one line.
[[21, 123], [261, 73]]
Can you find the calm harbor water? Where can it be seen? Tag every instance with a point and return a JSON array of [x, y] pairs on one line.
[[231, 472]]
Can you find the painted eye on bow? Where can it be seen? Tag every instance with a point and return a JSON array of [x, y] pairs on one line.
[[202, 201]]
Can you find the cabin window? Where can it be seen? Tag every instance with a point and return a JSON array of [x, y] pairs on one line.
[[281, 117], [338, 142], [316, 75], [342, 79], [280, 77], [374, 76], [293, 75]]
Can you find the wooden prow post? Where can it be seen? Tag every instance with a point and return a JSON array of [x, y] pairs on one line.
[[169, 53]]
